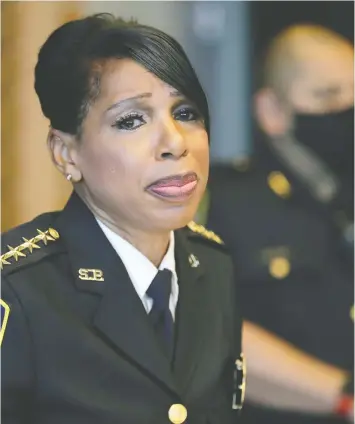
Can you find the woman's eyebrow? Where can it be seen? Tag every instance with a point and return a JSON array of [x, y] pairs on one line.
[[128, 100]]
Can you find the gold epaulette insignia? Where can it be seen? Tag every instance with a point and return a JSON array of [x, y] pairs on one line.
[[16, 252], [200, 229]]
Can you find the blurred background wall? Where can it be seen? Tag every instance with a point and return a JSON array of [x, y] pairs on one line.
[[223, 40]]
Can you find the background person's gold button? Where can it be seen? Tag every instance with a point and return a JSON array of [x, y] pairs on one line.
[[177, 414], [279, 267]]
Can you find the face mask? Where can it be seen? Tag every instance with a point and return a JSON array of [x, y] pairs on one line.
[[330, 137]]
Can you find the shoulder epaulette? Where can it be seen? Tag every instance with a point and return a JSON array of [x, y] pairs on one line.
[[201, 230], [15, 253]]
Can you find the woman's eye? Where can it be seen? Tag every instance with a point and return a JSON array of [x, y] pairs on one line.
[[186, 114], [130, 122]]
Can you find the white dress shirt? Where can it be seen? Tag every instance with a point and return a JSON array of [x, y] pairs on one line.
[[141, 271]]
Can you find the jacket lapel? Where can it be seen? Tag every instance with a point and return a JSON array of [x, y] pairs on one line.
[[120, 318], [192, 315]]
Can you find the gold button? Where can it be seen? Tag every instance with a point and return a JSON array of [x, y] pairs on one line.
[[177, 413], [279, 267], [352, 313], [279, 184], [53, 233]]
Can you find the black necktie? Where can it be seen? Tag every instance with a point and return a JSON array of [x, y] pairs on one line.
[[159, 291]]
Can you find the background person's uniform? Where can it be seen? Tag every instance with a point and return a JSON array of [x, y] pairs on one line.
[[292, 264], [79, 347]]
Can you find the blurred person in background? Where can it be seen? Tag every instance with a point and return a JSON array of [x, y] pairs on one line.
[[288, 219]]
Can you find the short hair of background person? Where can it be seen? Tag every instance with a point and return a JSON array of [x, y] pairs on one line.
[[308, 69]]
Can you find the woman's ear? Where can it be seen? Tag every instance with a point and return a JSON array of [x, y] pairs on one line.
[[272, 115], [62, 147]]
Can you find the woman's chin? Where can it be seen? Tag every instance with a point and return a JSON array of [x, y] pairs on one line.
[[175, 219]]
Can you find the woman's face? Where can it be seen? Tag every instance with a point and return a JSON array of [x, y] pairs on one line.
[[144, 153]]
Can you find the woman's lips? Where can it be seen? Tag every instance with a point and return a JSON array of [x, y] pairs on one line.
[[175, 186]]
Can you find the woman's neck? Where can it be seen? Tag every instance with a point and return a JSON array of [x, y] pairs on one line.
[[152, 245]]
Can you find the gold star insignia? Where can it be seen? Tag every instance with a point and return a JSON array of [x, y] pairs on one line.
[[30, 244], [15, 252], [44, 237], [200, 229], [4, 262]]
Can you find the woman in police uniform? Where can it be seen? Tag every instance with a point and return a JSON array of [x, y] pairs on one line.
[[119, 309]]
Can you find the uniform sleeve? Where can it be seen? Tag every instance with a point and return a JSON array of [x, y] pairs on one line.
[[17, 368]]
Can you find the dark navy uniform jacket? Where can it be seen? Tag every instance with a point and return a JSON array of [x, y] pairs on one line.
[[78, 347], [293, 268]]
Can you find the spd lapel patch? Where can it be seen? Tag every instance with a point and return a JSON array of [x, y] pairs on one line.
[[5, 312]]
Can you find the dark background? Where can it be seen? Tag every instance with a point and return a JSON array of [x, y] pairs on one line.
[[270, 17]]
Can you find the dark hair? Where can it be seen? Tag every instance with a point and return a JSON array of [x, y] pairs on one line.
[[67, 78]]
